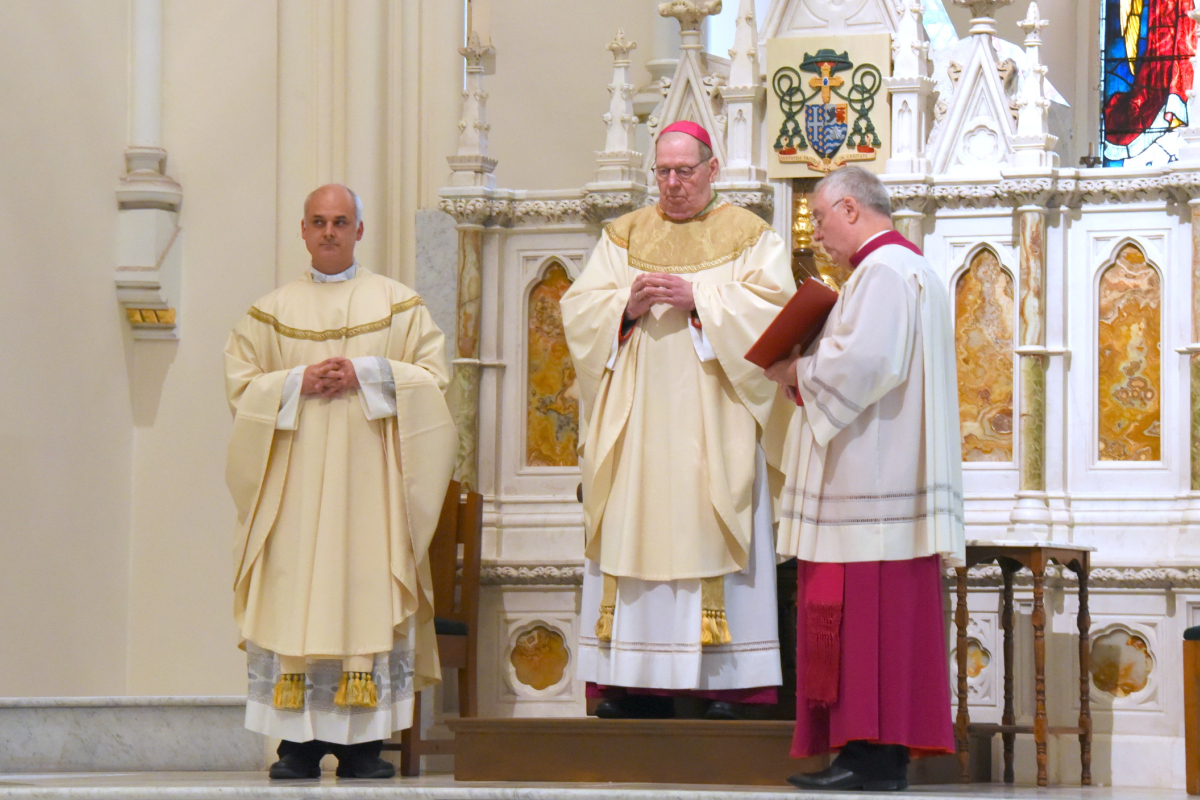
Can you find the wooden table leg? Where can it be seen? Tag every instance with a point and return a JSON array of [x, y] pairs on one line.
[[1009, 718], [1085, 652], [1191, 714], [963, 718], [1039, 672]]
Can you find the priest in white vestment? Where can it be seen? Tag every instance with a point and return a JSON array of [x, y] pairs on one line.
[[679, 473], [873, 503], [341, 452]]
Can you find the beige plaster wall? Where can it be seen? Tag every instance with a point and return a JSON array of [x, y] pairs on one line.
[[219, 126], [65, 422], [116, 527], [550, 86]]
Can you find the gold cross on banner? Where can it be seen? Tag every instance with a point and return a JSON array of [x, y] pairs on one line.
[[825, 82]]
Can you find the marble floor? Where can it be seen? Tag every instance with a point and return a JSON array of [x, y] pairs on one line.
[[248, 785]]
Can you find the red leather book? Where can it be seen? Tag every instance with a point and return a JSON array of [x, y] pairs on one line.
[[799, 322]]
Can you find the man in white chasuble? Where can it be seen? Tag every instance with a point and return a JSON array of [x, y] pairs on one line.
[[341, 452], [680, 476], [873, 505]]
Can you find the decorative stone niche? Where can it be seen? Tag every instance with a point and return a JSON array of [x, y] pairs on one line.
[[540, 657], [552, 415], [983, 670], [983, 334], [1121, 662], [1130, 355]]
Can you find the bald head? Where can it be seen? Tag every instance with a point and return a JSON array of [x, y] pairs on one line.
[[332, 225], [336, 188]]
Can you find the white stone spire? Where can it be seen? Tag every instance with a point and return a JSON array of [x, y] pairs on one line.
[[618, 161], [471, 164], [743, 100]]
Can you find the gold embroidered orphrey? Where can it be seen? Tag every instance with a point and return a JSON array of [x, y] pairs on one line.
[[664, 245], [335, 333]]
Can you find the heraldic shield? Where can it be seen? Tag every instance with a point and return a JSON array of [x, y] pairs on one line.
[[825, 125], [825, 105]]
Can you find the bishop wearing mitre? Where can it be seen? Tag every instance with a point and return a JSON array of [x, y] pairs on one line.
[[680, 468], [341, 452]]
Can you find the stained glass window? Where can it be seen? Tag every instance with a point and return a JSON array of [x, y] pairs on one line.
[[1147, 46]]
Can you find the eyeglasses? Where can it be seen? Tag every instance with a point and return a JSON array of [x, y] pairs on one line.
[[817, 221], [683, 173]]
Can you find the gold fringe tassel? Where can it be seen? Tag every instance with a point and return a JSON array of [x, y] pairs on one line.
[[289, 690], [608, 606], [714, 628], [357, 689]]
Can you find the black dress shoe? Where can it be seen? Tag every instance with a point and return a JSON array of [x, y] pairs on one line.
[[838, 778], [294, 766], [719, 709], [369, 767], [636, 706], [362, 760]]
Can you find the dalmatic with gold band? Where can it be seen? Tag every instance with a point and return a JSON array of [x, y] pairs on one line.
[[679, 427], [335, 517]]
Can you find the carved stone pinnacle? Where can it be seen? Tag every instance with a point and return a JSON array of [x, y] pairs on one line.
[[620, 47], [474, 51], [1033, 23], [691, 13]]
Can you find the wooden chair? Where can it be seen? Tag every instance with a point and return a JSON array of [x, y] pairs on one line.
[[456, 610], [1191, 707]]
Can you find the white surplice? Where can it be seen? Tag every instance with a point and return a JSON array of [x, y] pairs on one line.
[[874, 465]]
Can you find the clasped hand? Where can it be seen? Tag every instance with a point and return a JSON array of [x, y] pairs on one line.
[[657, 287], [783, 372], [330, 378]]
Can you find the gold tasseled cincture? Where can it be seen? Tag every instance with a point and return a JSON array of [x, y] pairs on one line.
[[357, 689], [714, 629], [608, 605], [289, 690]]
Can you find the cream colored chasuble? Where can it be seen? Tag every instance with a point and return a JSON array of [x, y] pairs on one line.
[[880, 398], [669, 458], [335, 518]]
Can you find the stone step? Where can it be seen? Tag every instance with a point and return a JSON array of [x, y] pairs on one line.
[[130, 734]]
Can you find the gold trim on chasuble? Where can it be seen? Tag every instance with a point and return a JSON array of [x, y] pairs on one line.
[[335, 333], [664, 245]]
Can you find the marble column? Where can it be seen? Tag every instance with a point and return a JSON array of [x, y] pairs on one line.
[[1188, 544], [910, 223], [1031, 516], [1194, 356], [464, 385]]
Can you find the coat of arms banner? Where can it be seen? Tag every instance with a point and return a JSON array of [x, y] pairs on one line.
[[828, 105]]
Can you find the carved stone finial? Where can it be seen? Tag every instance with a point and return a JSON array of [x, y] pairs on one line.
[[691, 13], [1033, 24], [620, 47], [475, 51], [983, 12]]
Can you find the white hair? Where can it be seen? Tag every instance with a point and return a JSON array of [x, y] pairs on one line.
[[856, 182], [358, 208]]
